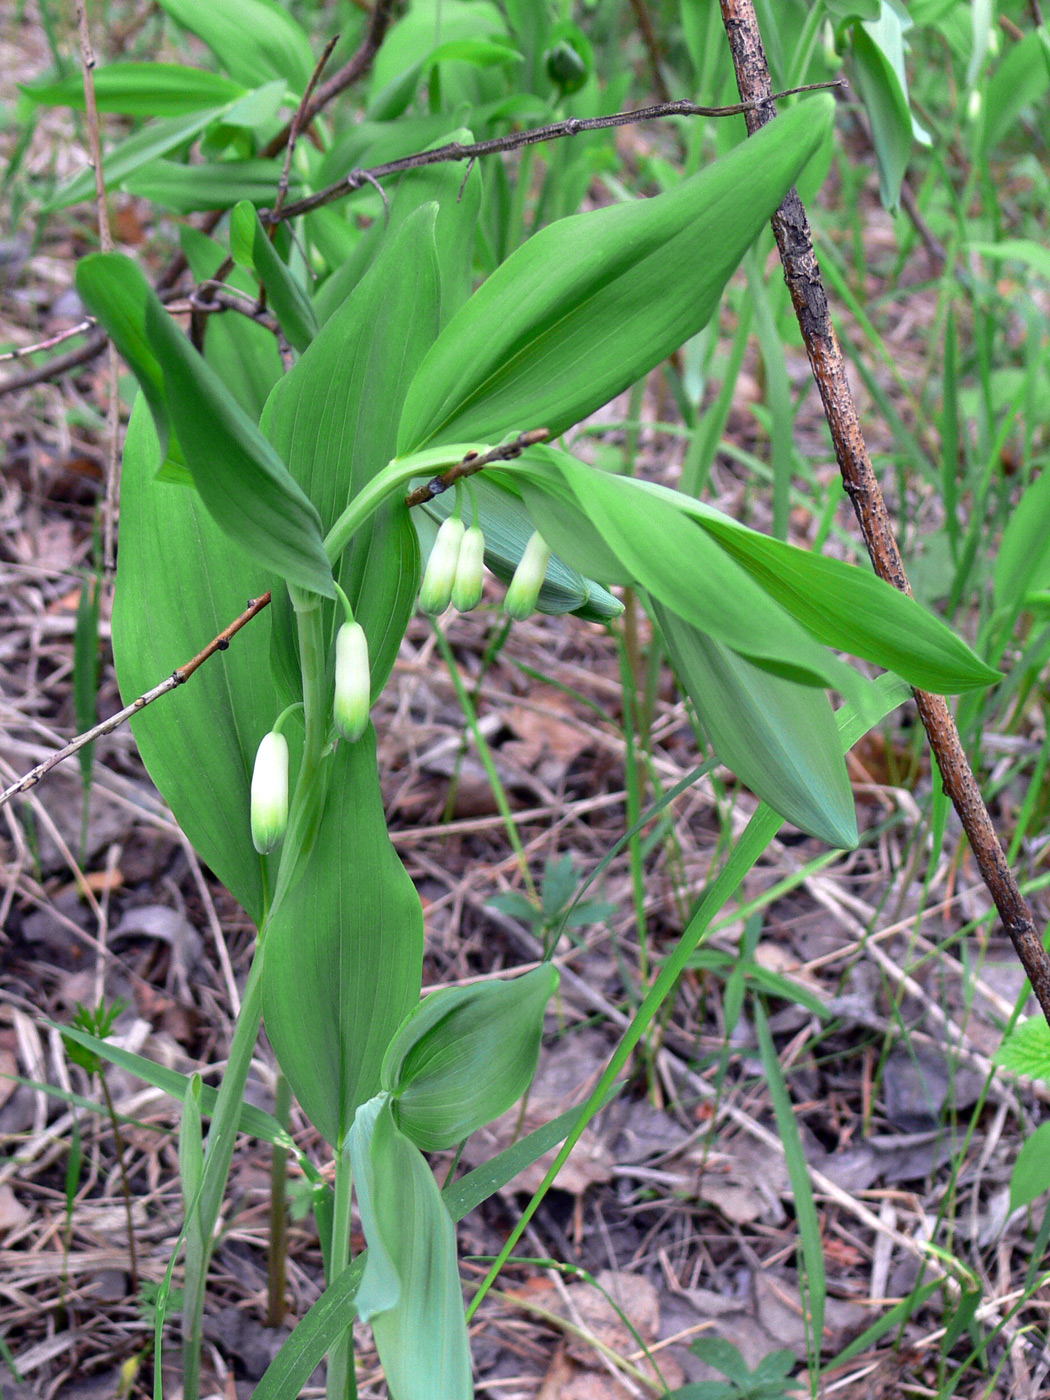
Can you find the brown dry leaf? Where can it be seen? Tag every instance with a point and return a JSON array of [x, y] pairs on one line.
[[12, 1212], [8, 1069], [542, 730], [637, 1299]]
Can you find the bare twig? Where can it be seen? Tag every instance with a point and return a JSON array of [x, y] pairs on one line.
[[297, 126], [473, 462], [87, 324], [356, 67], [178, 677], [802, 273], [534, 136], [454, 151], [105, 236]]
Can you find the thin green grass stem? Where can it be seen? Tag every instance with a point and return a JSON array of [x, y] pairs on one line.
[[761, 829], [342, 1382], [488, 762]]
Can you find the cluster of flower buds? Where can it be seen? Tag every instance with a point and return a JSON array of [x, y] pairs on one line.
[[455, 571]]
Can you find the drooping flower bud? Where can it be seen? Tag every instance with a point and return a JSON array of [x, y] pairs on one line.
[[435, 593], [269, 807], [470, 571], [565, 67], [524, 588], [353, 682]]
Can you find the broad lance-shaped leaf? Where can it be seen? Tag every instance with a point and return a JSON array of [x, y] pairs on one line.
[[242, 481], [254, 40], [844, 605], [252, 249], [591, 303], [141, 90], [332, 419], [778, 737], [180, 582], [841, 605], [464, 1055], [344, 951], [410, 1291], [655, 545]]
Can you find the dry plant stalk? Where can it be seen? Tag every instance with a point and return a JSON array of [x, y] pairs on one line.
[[105, 237], [809, 298]]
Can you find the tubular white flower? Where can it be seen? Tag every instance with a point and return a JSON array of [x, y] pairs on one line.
[[470, 571], [353, 682], [524, 588], [435, 593], [269, 806]]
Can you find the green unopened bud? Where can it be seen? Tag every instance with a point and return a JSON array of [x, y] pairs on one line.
[[353, 682], [435, 593], [524, 588], [270, 793], [470, 571], [565, 67]]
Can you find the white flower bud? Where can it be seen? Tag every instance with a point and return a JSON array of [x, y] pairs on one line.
[[270, 793], [470, 571], [524, 587], [353, 681], [436, 591]]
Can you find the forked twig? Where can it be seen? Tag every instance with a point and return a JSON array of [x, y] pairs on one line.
[[473, 462], [178, 677], [297, 126], [533, 136], [802, 273]]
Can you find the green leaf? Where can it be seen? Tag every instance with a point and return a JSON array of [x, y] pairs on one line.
[[114, 289], [587, 305], [343, 951], [153, 141], [1022, 250], [663, 551], [1023, 561], [333, 419], [241, 352], [464, 1055], [851, 609], [85, 670], [191, 1144], [778, 737], [241, 479], [886, 103], [1020, 81], [1031, 1174], [252, 249], [410, 1291], [141, 90], [1026, 1050], [188, 188], [252, 1121], [180, 582], [254, 40], [328, 1317]]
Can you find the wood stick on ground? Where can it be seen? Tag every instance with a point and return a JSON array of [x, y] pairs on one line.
[[178, 677], [802, 274]]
